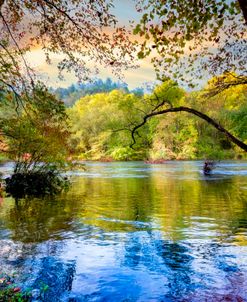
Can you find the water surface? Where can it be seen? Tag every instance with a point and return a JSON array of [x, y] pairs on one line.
[[133, 232]]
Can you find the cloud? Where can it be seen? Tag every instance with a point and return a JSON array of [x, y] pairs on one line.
[[49, 72]]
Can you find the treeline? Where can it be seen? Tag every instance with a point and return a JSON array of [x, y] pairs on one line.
[[37, 128], [74, 92], [101, 124]]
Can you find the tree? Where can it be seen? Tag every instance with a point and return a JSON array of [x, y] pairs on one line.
[[181, 36], [96, 121], [162, 103], [34, 135], [190, 38], [82, 31], [101, 123], [186, 40], [73, 93]]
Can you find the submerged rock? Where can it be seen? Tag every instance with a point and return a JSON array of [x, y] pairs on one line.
[[12, 255], [45, 279]]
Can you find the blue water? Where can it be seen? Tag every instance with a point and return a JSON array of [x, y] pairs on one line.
[[133, 232]]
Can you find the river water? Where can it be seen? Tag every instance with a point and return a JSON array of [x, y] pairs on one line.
[[132, 232]]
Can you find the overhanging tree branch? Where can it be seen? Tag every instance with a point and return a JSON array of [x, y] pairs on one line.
[[201, 115]]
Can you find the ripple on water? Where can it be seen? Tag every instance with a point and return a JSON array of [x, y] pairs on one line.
[[133, 232]]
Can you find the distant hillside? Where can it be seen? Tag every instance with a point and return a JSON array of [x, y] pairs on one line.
[[74, 92]]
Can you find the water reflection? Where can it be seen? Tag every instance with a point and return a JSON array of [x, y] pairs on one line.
[[134, 232], [38, 220]]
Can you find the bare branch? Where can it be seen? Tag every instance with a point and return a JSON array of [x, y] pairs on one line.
[[18, 48], [201, 115]]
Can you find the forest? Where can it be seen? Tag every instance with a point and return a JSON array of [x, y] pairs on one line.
[[94, 122], [123, 150], [174, 118], [101, 124]]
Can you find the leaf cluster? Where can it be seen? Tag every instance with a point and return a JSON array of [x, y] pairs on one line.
[[35, 133], [190, 40]]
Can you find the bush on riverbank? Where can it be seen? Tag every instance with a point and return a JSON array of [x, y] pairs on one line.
[[36, 183], [35, 138]]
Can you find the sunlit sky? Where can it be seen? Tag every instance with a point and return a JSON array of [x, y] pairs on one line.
[[125, 11]]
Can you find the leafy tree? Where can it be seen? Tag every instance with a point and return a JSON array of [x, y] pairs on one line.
[[82, 32], [34, 135], [186, 39], [166, 103], [200, 35], [74, 92], [100, 125], [175, 138]]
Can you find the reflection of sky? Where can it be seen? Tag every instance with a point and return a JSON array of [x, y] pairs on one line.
[[170, 236]]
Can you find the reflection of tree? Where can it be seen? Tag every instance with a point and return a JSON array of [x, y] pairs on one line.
[[152, 221], [36, 220], [180, 203], [166, 258], [119, 204], [119, 201], [177, 258]]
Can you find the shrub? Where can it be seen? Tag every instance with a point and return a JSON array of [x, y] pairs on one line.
[[36, 184]]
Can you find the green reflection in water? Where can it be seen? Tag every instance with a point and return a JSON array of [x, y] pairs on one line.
[[180, 207]]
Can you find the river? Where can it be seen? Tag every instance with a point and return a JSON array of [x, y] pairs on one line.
[[130, 231]]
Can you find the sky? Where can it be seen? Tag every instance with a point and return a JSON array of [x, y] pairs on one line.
[[49, 72], [124, 11]]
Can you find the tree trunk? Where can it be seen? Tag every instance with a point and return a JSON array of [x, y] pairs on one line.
[[203, 116], [243, 6]]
